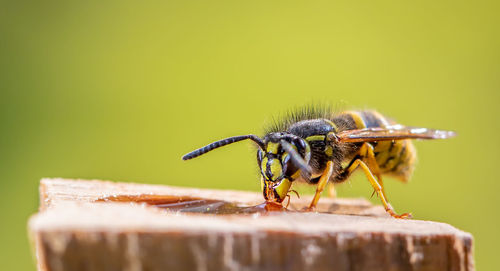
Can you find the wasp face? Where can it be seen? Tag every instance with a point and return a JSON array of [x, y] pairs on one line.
[[277, 168]]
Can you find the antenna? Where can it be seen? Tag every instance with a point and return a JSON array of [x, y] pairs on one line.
[[221, 143]]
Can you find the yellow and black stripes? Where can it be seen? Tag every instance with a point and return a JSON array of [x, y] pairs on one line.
[[316, 145], [355, 118], [396, 158], [350, 120], [403, 169]]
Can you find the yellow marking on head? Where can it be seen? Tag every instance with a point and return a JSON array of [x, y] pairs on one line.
[[263, 166], [296, 175], [261, 183], [282, 188], [272, 147], [329, 150], [360, 123], [315, 138], [275, 168]]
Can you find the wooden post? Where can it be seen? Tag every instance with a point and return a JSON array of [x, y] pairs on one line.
[[96, 225]]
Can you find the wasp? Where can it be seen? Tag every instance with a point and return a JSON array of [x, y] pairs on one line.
[[319, 146]]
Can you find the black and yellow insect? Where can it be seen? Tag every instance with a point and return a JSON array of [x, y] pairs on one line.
[[319, 146]]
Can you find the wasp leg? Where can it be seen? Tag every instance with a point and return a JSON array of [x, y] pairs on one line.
[[367, 151], [332, 193], [373, 181], [327, 173]]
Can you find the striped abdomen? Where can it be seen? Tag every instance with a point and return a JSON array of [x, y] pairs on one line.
[[396, 158]]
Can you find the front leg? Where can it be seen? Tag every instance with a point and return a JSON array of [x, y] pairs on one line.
[[327, 173]]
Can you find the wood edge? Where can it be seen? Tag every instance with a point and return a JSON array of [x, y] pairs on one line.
[[51, 194], [460, 244]]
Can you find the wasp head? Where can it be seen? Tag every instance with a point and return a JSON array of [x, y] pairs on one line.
[[283, 159]]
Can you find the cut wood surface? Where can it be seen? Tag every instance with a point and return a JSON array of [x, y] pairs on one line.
[[96, 225]]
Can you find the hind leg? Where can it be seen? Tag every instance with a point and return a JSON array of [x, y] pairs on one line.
[[364, 155], [332, 193], [372, 163]]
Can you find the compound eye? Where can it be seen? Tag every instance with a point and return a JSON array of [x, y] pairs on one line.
[[260, 155], [284, 161], [301, 144], [285, 158]]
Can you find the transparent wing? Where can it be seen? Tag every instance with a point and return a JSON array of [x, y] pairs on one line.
[[394, 132]]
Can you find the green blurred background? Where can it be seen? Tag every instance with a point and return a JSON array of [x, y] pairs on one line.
[[121, 90]]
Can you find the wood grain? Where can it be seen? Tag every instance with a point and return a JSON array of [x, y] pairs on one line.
[[96, 225]]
